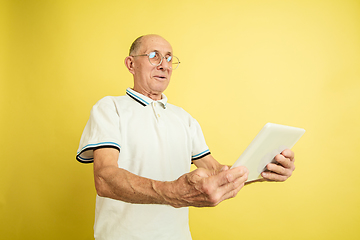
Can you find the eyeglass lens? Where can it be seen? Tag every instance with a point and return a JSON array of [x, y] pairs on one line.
[[155, 58]]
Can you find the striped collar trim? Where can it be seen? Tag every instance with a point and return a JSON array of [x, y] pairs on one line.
[[143, 100]]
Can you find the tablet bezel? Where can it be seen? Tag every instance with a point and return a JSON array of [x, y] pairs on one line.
[[270, 141]]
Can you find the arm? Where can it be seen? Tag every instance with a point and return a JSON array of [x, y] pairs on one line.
[[198, 188], [210, 163], [117, 183]]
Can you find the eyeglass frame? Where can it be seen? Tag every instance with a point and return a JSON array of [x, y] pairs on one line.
[[161, 59]]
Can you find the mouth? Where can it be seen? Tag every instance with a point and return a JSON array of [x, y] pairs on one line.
[[160, 77]]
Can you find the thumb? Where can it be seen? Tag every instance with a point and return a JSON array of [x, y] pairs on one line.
[[227, 176], [224, 168]]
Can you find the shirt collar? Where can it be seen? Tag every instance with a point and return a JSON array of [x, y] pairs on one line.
[[143, 100]]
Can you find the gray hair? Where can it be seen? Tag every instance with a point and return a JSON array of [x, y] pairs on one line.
[[135, 46]]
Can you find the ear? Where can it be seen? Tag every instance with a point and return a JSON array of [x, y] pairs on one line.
[[129, 63]]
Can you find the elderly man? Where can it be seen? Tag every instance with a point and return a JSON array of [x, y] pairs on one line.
[[142, 148]]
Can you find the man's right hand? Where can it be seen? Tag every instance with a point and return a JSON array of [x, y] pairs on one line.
[[204, 188]]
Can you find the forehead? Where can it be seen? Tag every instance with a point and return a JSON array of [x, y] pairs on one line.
[[151, 43]]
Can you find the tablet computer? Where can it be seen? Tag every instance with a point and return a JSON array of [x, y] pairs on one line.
[[270, 141]]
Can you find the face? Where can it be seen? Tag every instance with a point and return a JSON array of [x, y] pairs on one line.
[[150, 80]]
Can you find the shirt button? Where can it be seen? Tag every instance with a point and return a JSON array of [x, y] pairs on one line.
[[158, 115]]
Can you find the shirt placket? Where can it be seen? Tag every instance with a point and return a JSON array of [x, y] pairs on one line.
[[156, 109]]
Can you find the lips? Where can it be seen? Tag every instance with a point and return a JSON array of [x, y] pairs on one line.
[[161, 77]]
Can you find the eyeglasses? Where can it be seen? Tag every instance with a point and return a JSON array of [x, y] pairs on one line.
[[156, 58]]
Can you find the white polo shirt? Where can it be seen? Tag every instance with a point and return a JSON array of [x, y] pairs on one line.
[[156, 140]]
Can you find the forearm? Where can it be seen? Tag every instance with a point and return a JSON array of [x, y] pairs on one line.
[[119, 184], [202, 187], [196, 188], [209, 162]]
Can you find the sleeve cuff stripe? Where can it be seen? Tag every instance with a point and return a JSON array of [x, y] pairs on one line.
[[84, 160], [92, 147], [201, 155], [96, 145]]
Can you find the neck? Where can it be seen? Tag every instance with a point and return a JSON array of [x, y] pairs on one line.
[[152, 95]]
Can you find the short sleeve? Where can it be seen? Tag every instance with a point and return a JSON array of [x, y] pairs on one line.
[[102, 130], [200, 149]]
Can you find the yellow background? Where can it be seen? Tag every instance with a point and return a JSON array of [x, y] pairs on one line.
[[244, 63]]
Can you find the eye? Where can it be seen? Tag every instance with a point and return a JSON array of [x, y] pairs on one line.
[[169, 58], [152, 54]]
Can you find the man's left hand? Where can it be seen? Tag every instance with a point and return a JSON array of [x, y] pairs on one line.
[[282, 169]]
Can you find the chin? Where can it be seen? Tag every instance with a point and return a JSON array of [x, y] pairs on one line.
[[160, 87]]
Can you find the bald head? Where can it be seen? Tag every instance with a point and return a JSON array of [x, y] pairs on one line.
[[136, 45], [150, 79]]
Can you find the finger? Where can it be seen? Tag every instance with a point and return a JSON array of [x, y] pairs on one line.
[[226, 189], [197, 175], [224, 168], [288, 154], [285, 162], [274, 177], [224, 185], [230, 190], [279, 169], [230, 175]]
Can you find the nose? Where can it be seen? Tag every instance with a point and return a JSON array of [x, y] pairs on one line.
[[164, 64]]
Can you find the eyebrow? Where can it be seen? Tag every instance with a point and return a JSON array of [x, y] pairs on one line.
[[168, 53]]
